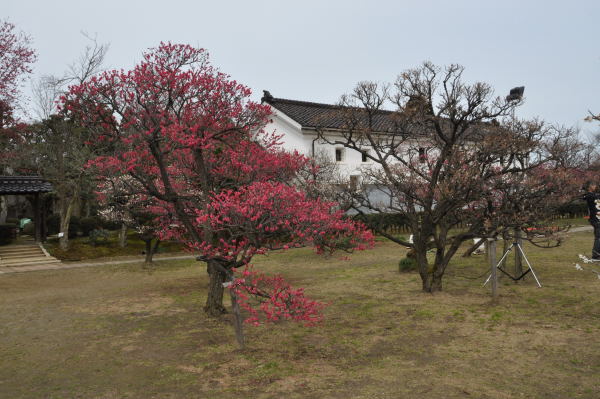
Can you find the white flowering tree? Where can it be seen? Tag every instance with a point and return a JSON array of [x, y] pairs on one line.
[[121, 204]]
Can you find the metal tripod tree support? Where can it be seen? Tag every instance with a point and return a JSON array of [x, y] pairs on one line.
[[520, 251]]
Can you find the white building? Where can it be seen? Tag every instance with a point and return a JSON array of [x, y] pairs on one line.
[[298, 122]]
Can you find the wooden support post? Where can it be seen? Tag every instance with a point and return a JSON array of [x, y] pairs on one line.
[[505, 245], [37, 219], [518, 258], [493, 268], [238, 323], [44, 212]]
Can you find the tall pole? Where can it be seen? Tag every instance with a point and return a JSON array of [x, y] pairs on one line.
[[493, 268]]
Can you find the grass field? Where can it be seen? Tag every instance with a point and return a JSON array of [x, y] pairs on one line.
[[125, 332]]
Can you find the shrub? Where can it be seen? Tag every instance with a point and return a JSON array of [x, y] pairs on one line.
[[110, 224], [74, 227], [88, 224], [573, 209], [7, 233], [382, 221], [407, 264], [98, 236], [53, 224]]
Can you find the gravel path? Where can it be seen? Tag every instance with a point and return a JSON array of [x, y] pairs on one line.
[[73, 265], [128, 259], [581, 228]]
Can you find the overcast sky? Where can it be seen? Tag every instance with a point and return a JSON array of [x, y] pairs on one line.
[[318, 50]]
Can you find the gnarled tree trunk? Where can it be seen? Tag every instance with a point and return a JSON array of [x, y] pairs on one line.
[[65, 219], [150, 249], [123, 236], [431, 273], [149, 252], [214, 301], [432, 282]]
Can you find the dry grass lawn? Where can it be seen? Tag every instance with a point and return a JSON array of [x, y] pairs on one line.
[[125, 332]]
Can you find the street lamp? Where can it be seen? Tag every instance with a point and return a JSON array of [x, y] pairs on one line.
[[515, 94]]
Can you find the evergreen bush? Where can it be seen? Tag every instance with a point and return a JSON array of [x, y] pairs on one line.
[[407, 264], [7, 233], [98, 236], [88, 224]]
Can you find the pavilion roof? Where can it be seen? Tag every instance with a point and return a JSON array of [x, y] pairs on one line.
[[16, 185]]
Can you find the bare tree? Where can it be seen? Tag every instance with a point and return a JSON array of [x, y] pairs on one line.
[[48, 89], [593, 152], [450, 159], [321, 178], [59, 144]]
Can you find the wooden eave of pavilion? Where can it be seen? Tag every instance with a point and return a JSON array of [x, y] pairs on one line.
[[27, 185], [21, 185]]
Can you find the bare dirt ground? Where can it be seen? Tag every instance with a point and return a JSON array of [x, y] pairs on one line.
[[124, 332]]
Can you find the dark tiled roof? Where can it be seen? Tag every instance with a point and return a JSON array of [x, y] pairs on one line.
[[23, 185], [327, 116]]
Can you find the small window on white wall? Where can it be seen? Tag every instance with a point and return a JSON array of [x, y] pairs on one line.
[[363, 155], [339, 154], [422, 155]]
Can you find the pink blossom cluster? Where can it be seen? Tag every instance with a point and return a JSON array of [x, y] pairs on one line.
[[270, 215], [272, 299], [16, 58]]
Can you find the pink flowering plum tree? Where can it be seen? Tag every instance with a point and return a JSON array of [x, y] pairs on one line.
[[12, 139], [16, 58], [188, 138]]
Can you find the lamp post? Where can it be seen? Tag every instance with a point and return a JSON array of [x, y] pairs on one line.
[[515, 94]]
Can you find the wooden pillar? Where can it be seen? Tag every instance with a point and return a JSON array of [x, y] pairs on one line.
[[44, 212], [37, 218]]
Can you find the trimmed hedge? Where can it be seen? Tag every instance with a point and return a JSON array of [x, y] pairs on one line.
[[391, 221], [53, 225], [74, 226], [88, 224], [573, 209], [110, 225], [7, 233], [382, 221], [97, 236], [81, 226]]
